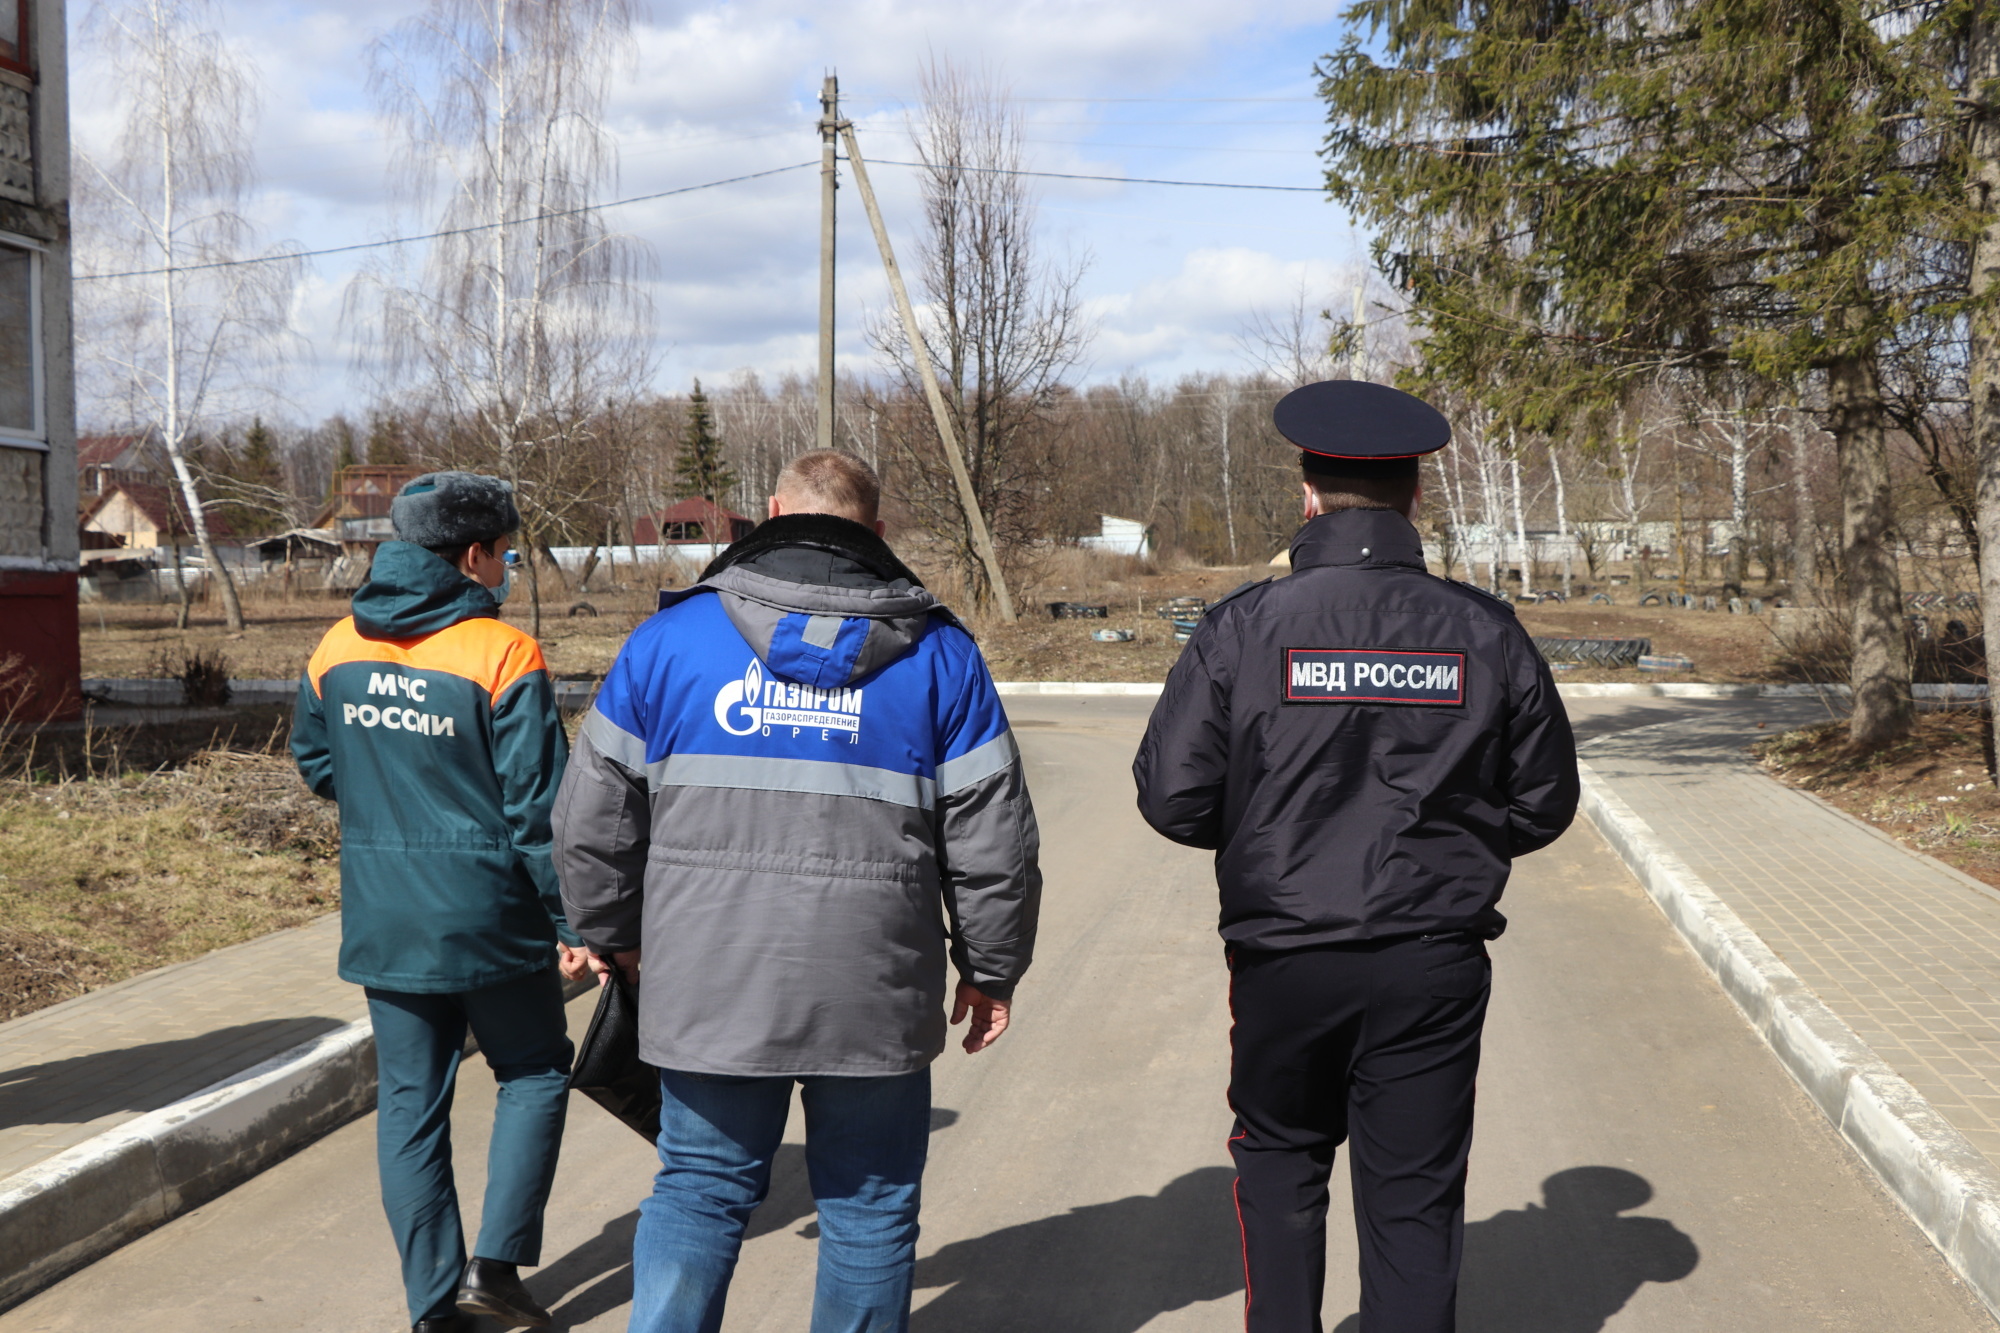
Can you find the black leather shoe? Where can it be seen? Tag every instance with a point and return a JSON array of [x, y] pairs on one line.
[[494, 1289], [439, 1323]]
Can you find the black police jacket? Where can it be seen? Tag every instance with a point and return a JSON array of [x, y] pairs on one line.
[[1366, 746]]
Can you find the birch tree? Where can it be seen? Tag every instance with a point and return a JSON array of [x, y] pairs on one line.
[[186, 317], [525, 319], [1982, 100], [1003, 324], [1562, 514]]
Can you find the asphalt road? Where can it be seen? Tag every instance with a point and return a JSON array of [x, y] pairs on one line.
[[1642, 1164]]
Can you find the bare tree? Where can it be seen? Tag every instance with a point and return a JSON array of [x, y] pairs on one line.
[[1296, 345], [178, 322], [526, 319], [1305, 341], [1736, 408], [1003, 326]]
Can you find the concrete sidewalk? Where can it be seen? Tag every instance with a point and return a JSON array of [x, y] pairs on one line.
[[80, 1068], [130, 1105], [1873, 972]]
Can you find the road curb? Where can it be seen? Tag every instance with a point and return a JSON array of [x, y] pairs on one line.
[[1947, 1186], [61, 1214], [1145, 689], [79, 1205], [1665, 689], [1694, 689]]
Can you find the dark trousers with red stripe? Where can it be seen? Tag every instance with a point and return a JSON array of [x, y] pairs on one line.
[[1376, 1044]]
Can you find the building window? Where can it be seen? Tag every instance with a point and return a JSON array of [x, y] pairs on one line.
[[21, 417], [14, 35]]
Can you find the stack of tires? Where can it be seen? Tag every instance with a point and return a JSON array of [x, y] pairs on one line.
[[1594, 652], [1184, 612]]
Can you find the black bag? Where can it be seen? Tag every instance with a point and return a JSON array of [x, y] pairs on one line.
[[608, 1069]]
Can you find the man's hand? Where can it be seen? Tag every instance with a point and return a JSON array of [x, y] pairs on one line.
[[572, 963], [989, 1017], [627, 962]]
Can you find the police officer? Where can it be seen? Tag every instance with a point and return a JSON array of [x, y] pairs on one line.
[[1366, 747]]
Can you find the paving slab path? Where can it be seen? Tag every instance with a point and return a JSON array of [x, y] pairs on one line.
[[76, 1069], [1904, 949], [1643, 1163]]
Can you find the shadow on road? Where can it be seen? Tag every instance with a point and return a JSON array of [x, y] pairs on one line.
[[596, 1277], [147, 1076], [1105, 1268], [592, 1279], [1568, 1265]]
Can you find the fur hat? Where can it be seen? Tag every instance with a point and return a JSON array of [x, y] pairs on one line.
[[454, 509]]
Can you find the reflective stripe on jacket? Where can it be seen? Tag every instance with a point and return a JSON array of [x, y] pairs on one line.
[[787, 793]]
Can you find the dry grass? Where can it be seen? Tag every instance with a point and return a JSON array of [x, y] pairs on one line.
[[1930, 790], [130, 641], [103, 879], [1038, 647], [1723, 648]]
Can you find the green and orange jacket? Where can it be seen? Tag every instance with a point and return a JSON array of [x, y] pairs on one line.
[[433, 724]]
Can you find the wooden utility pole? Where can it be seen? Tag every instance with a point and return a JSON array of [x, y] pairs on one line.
[[829, 148], [982, 540]]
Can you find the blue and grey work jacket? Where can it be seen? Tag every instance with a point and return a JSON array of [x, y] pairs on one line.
[[797, 791]]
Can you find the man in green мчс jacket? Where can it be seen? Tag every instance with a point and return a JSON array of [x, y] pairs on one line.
[[434, 725]]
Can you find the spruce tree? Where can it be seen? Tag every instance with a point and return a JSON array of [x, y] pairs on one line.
[[257, 464], [386, 439], [247, 480], [700, 469], [343, 452], [1577, 198]]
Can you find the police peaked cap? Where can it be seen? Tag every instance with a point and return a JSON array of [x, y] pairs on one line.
[[1343, 423]]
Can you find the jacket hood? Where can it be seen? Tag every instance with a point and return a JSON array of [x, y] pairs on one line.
[[1358, 537], [410, 592], [817, 548], [822, 600]]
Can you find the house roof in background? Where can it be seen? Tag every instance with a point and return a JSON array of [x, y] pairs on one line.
[[717, 522], [125, 452], [365, 491], [696, 510], [157, 504]]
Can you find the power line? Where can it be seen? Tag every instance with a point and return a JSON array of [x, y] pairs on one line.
[[435, 235], [1168, 100], [664, 194], [1121, 180], [1093, 101]]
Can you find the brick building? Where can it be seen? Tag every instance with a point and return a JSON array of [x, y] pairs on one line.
[[38, 475]]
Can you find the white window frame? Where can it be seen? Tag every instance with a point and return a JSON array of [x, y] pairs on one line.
[[37, 436]]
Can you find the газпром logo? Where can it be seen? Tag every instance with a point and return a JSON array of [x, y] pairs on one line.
[[756, 703], [745, 694]]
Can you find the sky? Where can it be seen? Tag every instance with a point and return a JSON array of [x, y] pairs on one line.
[[1178, 89]]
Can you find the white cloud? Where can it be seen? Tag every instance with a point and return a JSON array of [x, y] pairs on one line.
[[1197, 316], [715, 90]]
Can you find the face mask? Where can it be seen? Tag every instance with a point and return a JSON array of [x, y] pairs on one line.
[[506, 586]]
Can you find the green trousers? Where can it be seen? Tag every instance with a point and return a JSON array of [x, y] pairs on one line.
[[419, 1040]]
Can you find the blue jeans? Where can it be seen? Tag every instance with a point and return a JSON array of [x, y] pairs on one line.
[[418, 1041], [866, 1141]]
